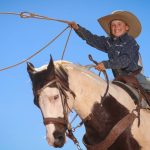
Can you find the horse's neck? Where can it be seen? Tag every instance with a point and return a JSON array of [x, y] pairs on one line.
[[88, 88]]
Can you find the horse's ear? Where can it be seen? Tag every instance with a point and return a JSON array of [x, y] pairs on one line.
[[51, 67], [30, 68]]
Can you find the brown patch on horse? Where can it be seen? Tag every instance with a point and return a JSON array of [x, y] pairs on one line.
[[103, 119]]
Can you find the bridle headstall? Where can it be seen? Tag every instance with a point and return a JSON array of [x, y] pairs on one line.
[[62, 121]]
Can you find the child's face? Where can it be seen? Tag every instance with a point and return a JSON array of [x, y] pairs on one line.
[[118, 28]]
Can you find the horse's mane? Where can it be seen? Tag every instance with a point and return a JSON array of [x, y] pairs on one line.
[[57, 65], [66, 65], [82, 69]]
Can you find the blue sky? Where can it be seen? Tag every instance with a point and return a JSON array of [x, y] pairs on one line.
[[21, 124]]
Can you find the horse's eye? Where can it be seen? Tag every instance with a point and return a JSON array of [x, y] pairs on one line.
[[56, 97]]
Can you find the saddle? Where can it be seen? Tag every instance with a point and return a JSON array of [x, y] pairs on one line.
[[131, 81]]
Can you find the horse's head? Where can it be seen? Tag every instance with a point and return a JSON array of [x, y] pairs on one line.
[[49, 88]]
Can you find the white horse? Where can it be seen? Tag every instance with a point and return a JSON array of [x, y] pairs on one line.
[[62, 86]]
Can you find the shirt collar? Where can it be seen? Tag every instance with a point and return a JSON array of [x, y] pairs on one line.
[[124, 37]]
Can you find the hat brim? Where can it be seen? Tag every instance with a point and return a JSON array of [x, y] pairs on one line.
[[131, 20]]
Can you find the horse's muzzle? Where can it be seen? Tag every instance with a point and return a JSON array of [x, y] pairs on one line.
[[59, 139]]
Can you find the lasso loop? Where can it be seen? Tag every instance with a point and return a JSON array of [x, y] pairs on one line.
[[32, 15], [26, 15], [37, 52]]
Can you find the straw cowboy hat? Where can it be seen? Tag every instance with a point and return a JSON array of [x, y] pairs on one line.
[[127, 17]]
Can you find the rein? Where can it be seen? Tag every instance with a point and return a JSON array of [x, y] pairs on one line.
[[106, 79]]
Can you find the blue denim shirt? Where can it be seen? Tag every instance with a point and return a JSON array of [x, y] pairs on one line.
[[123, 52]]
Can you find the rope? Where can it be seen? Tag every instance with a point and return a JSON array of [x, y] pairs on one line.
[[66, 44], [32, 15], [26, 15], [40, 50], [9, 13]]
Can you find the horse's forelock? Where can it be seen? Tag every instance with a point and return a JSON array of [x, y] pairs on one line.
[[42, 68]]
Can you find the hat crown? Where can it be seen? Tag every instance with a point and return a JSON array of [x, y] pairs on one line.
[[117, 11]]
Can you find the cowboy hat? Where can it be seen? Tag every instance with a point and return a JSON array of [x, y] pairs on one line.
[[125, 16]]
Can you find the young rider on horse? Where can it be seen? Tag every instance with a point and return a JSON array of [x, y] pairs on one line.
[[122, 49]]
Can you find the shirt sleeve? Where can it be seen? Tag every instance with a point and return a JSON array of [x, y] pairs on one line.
[[98, 42], [119, 63], [128, 56]]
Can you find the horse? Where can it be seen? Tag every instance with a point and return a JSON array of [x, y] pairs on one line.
[[62, 86]]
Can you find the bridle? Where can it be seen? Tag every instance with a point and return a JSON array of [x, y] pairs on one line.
[[61, 121], [62, 90]]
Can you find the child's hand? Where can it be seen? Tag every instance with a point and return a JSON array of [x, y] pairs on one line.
[[100, 67], [73, 25]]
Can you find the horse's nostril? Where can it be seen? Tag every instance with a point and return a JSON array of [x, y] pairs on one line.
[[58, 135]]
